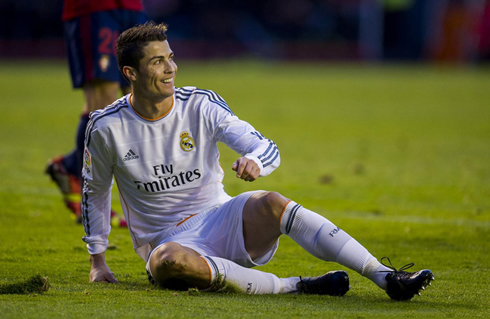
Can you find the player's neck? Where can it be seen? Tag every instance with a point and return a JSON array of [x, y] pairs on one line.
[[149, 108]]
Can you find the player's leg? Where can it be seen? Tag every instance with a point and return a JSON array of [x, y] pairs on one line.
[[324, 240], [64, 170], [91, 42], [177, 267], [101, 76], [230, 264], [260, 216], [216, 237], [93, 66], [268, 214]]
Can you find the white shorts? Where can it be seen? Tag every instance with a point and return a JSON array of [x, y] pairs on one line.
[[217, 232]]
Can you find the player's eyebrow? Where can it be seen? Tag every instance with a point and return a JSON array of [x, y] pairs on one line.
[[157, 57], [161, 56]]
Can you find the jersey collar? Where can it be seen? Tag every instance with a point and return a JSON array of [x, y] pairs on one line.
[[148, 119]]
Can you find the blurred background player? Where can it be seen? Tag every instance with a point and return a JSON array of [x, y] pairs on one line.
[[91, 28]]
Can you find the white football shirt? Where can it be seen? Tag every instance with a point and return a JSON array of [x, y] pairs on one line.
[[166, 169]]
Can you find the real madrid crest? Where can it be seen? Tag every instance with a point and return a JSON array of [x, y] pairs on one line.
[[186, 142]]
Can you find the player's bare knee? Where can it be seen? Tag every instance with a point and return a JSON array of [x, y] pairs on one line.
[[168, 261], [272, 204], [176, 267]]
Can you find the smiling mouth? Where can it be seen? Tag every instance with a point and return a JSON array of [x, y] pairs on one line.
[[166, 81]]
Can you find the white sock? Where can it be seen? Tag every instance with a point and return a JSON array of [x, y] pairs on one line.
[[324, 240], [230, 276]]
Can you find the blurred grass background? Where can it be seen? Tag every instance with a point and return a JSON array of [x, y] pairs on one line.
[[396, 155]]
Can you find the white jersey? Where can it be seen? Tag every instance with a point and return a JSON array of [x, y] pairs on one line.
[[166, 169]]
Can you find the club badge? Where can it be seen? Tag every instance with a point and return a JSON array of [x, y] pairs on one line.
[[186, 142]]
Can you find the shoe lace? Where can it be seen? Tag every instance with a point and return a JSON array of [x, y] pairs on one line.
[[393, 268]]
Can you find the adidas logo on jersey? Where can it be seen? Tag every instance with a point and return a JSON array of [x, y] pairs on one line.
[[131, 155]]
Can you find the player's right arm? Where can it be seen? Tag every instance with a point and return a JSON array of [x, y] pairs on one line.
[[99, 271], [96, 201]]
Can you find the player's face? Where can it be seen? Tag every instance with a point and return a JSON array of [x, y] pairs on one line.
[[157, 70]]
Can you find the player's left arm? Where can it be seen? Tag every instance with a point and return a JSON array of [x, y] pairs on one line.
[[259, 155], [246, 169]]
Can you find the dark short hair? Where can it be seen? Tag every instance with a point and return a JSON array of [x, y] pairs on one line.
[[130, 44]]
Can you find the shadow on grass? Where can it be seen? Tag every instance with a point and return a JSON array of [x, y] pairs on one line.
[[35, 284]]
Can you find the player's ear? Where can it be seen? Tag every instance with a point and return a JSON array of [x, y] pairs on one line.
[[129, 72]]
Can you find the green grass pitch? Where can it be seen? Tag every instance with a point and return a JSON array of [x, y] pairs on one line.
[[398, 156]]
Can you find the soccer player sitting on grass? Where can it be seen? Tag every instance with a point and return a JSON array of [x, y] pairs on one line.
[[160, 145]]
